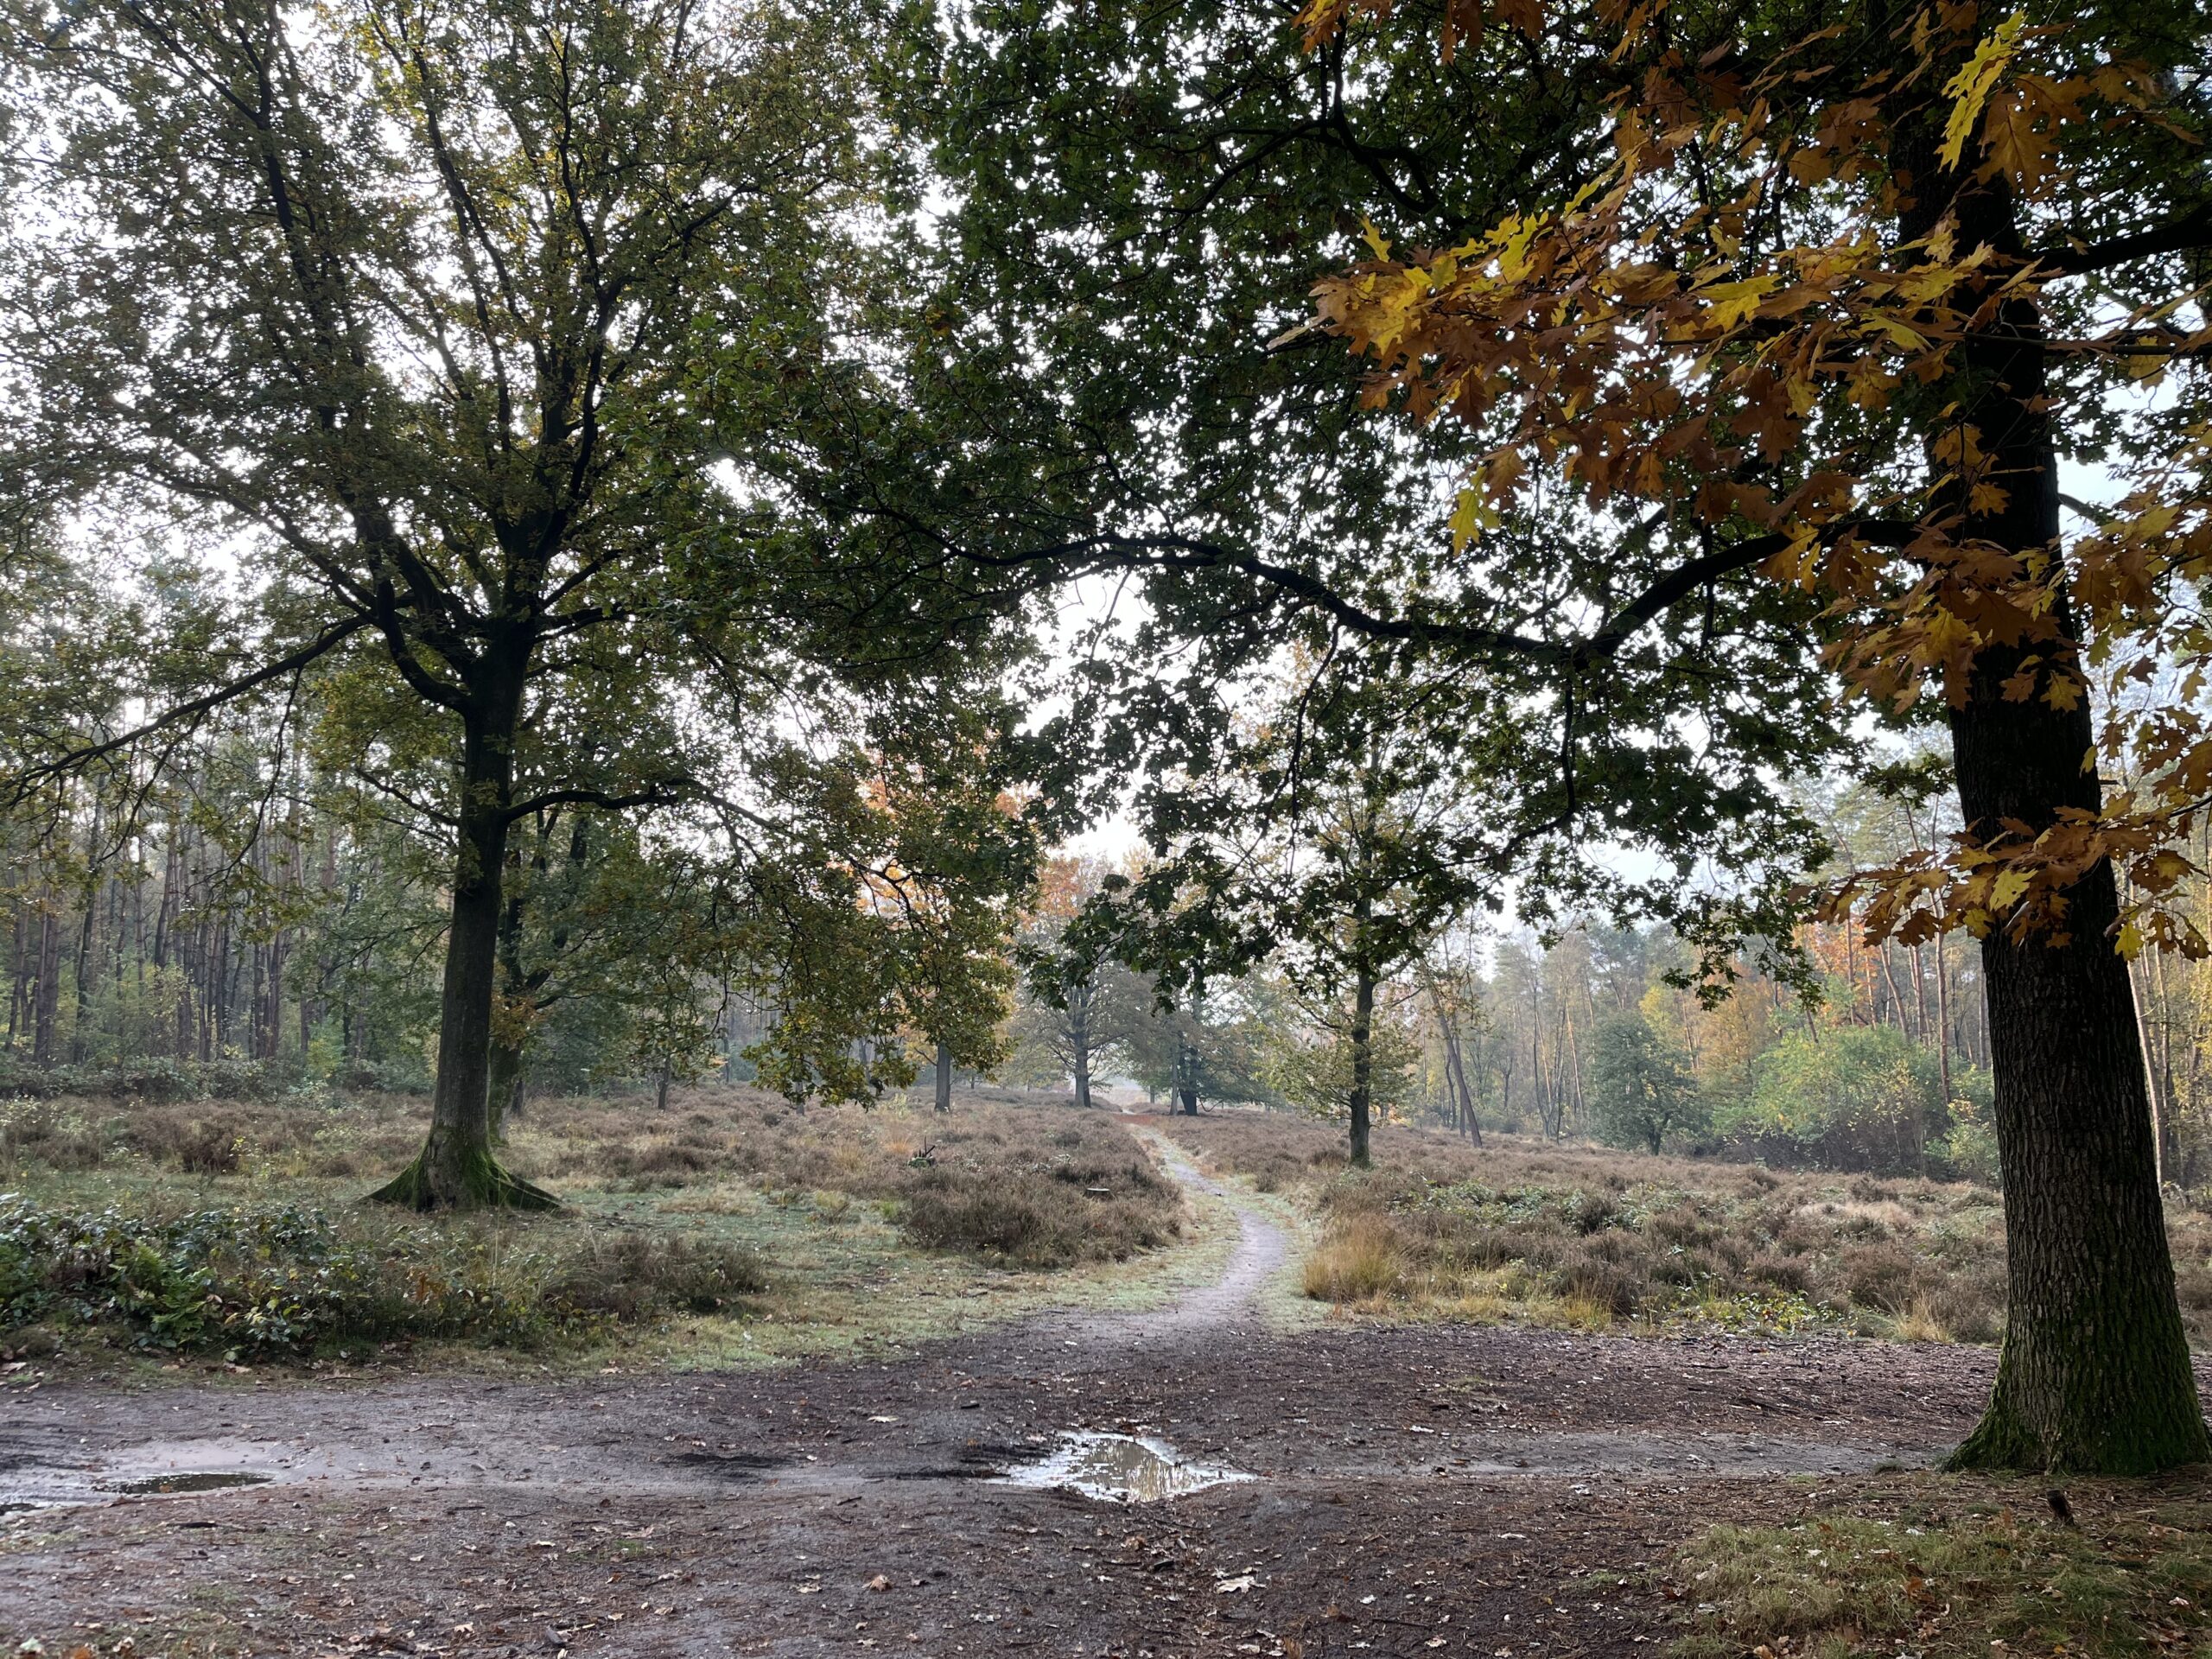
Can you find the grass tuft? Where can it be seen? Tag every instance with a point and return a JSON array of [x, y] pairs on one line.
[[1358, 1263]]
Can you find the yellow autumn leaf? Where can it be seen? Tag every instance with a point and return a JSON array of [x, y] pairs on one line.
[[2009, 887], [2131, 941], [1912, 339], [2064, 691], [1471, 516], [1733, 303], [1512, 238], [2015, 148], [1970, 88], [1375, 240]]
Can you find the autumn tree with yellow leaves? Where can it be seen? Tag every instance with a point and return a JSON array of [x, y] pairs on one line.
[[1846, 290]]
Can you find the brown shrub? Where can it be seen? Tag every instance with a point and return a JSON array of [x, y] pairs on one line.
[[1595, 1210], [1783, 1273], [2193, 1284], [53, 1133], [1611, 1284], [1971, 1304], [1882, 1276], [1028, 1219], [628, 1275]]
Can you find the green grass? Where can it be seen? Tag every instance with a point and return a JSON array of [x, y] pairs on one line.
[[1944, 1566]]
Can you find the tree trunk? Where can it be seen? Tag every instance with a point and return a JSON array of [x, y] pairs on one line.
[[455, 1168], [503, 1088], [944, 1078], [1079, 1045], [2094, 1374], [1363, 1061]]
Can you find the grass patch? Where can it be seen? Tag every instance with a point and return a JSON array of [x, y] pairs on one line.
[[1970, 1571], [1362, 1259], [1592, 1238], [730, 1226]]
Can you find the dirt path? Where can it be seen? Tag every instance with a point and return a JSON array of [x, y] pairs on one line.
[[1420, 1489]]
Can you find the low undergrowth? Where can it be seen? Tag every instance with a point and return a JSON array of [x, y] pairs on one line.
[[1600, 1238], [292, 1281], [235, 1227], [1985, 1574]]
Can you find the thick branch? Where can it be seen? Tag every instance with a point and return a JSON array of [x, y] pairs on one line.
[[2181, 234], [667, 792], [193, 708]]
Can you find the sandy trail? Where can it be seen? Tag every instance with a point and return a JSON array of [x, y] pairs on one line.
[[1374, 1449]]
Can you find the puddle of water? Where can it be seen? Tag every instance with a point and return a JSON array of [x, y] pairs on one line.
[[192, 1480], [1121, 1469]]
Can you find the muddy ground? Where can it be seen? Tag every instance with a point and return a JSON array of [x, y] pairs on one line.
[[1434, 1489]]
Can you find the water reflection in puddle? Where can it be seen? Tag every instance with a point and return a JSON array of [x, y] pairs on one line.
[[191, 1480], [1121, 1469]]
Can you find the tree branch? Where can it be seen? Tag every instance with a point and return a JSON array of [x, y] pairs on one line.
[[192, 709], [667, 792], [2180, 234]]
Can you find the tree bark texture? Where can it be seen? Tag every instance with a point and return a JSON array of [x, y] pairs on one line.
[[2095, 1374], [1363, 1063]]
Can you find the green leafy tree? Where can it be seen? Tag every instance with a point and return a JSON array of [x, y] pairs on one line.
[[1855, 1097], [442, 319], [1642, 1091]]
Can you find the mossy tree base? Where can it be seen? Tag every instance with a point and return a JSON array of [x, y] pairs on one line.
[[461, 1179], [2134, 1427], [2004, 1443]]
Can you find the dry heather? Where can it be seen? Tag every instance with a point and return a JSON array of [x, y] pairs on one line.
[[234, 1225], [1034, 1185], [1594, 1237], [1037, 1186]]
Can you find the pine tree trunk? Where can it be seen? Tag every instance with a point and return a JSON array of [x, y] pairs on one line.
[[455, 1168]]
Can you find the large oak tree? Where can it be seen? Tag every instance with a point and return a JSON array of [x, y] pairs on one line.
[[1750, 340], [453, 329]]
